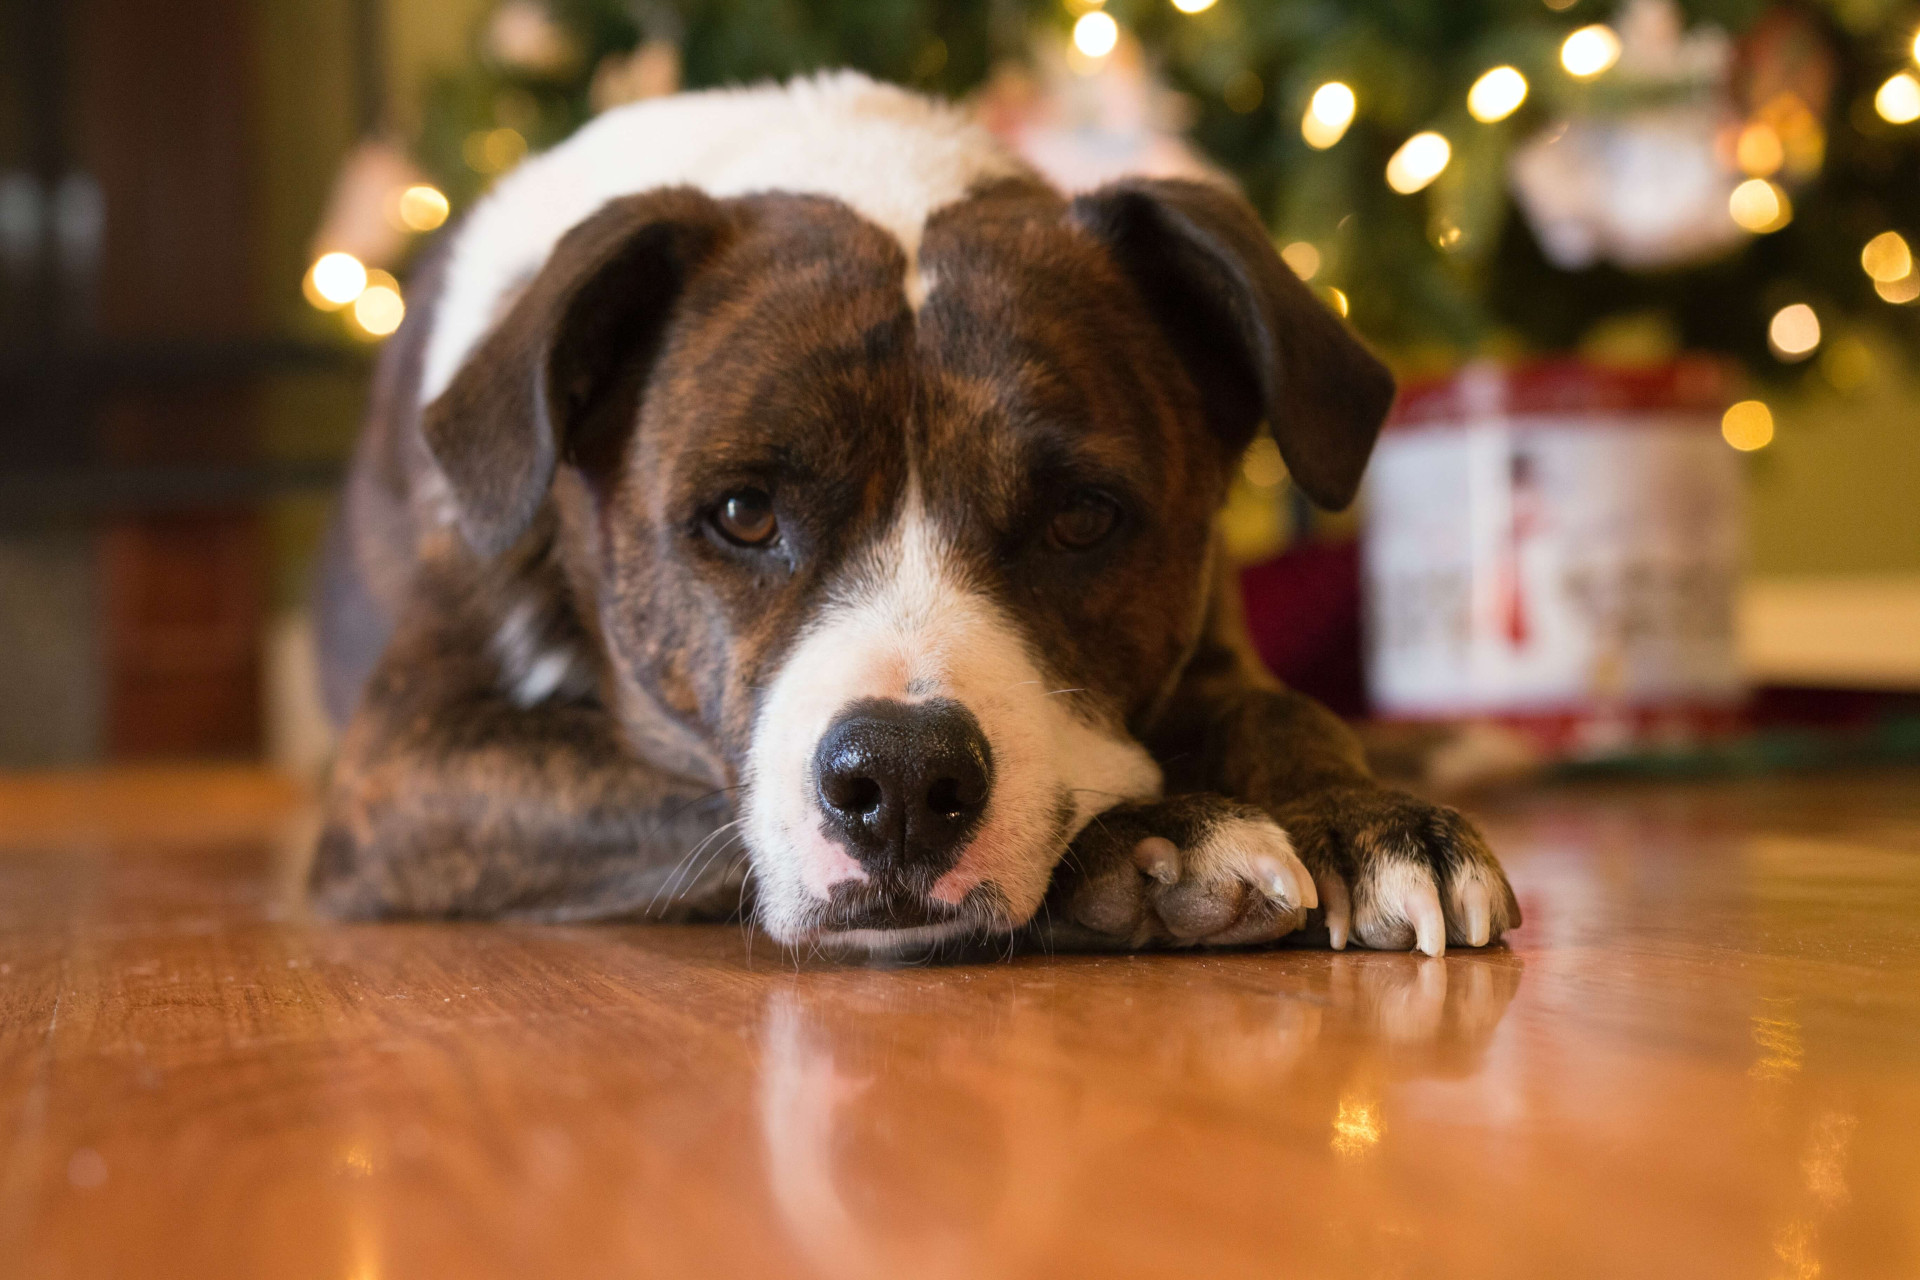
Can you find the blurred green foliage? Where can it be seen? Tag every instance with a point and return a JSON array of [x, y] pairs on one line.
[[1410, 62]]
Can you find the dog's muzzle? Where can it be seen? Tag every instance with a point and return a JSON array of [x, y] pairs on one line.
[[903, 786]]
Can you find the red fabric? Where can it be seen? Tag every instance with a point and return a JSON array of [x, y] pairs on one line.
[[1303, 609], [1572, 388]]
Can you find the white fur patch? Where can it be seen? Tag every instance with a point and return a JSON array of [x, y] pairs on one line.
[[1258, 852], [893, 156], [1400, 907], [534, 665], [906, 627]]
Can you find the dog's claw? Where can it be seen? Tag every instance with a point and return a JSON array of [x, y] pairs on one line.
[[1476, 912], [1286, 882], [1333, 894], [1422, 906], [1159, 858]]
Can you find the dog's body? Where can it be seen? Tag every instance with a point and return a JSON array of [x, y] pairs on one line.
[[792, 470]]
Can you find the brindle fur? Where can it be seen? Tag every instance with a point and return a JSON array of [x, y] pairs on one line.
[[549, 506]]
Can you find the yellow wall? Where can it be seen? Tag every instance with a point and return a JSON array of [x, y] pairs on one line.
[[1838, 491]]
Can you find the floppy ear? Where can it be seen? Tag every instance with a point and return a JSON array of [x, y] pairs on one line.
[[524, 396], [1256, 341]]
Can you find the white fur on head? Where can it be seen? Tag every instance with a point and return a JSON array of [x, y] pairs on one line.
[[892, 156], [909, 628]]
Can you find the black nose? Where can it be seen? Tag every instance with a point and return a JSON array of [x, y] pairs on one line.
[[904, 784]]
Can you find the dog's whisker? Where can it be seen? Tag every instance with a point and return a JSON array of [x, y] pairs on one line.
[[669, 886]]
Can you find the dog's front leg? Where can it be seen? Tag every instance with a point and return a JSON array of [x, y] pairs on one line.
[[1259, 776], [448, 799]]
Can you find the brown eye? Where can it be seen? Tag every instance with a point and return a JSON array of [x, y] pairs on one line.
[[745, 517], [1086, 520]]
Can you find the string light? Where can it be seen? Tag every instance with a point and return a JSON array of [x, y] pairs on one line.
[[1338, 298], [1589, 51], [1419, 161], [422, 207], [493, 150], [1095, 34], [1496, 95], [1759, 206], [1887, 257], [1329, 112], [1193, 6], [379, 309], [334, 280], [1747, 426], [1303, 258], [1901, 291], [1759, 152], [1898, 101], [1794, 332]]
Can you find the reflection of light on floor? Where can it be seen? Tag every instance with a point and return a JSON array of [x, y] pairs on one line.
[[1356, 1126], [1794, 1245], [1825, 1165], [1779, 1038]]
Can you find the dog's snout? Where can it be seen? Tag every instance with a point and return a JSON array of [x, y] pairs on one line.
[[904, 784]]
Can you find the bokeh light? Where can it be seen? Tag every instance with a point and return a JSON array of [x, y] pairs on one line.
[[493, 151], [1794, 332], [1329, 112], [1901, 291], [1496, 95], [1747, 426], [1095, 34], [1759, 151], [1887, 257], [1760, 206], [334, 280], [1420, 160], [1898, 101], [1193, 6], [379, 309], [1589, 51], [1303, 258], [1243, 92], [423, 207]]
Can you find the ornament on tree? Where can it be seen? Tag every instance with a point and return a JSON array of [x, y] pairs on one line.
[[1647, 188], [1083, 120], [525, 36], [650, 71]]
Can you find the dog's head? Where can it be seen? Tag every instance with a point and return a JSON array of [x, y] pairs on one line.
[[913, 539]]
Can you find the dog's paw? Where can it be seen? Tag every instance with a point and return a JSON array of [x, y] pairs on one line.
[[1193, 871], [1397, 872]]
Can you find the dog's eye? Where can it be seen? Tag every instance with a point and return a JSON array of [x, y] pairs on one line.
[[745, 518], [1085, 521]]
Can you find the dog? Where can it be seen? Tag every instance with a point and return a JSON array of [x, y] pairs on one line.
[[781, 500]]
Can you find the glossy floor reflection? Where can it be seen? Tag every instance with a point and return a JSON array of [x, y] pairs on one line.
[[1701, 1057]]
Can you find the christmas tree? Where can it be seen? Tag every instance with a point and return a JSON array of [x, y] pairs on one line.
[[1473, 177]]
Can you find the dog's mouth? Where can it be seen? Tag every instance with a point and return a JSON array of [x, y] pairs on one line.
[[891, 913]]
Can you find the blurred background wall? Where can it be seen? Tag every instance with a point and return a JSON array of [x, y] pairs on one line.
[[176, 402]]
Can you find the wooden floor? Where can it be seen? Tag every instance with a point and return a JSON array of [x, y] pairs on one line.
[[1701, 1057]]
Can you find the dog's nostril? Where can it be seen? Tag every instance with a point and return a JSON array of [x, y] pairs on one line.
[[854, 795], [943, 797], [952, 797]]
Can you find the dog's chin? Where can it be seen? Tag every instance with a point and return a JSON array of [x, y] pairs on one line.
[[892, 918]]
